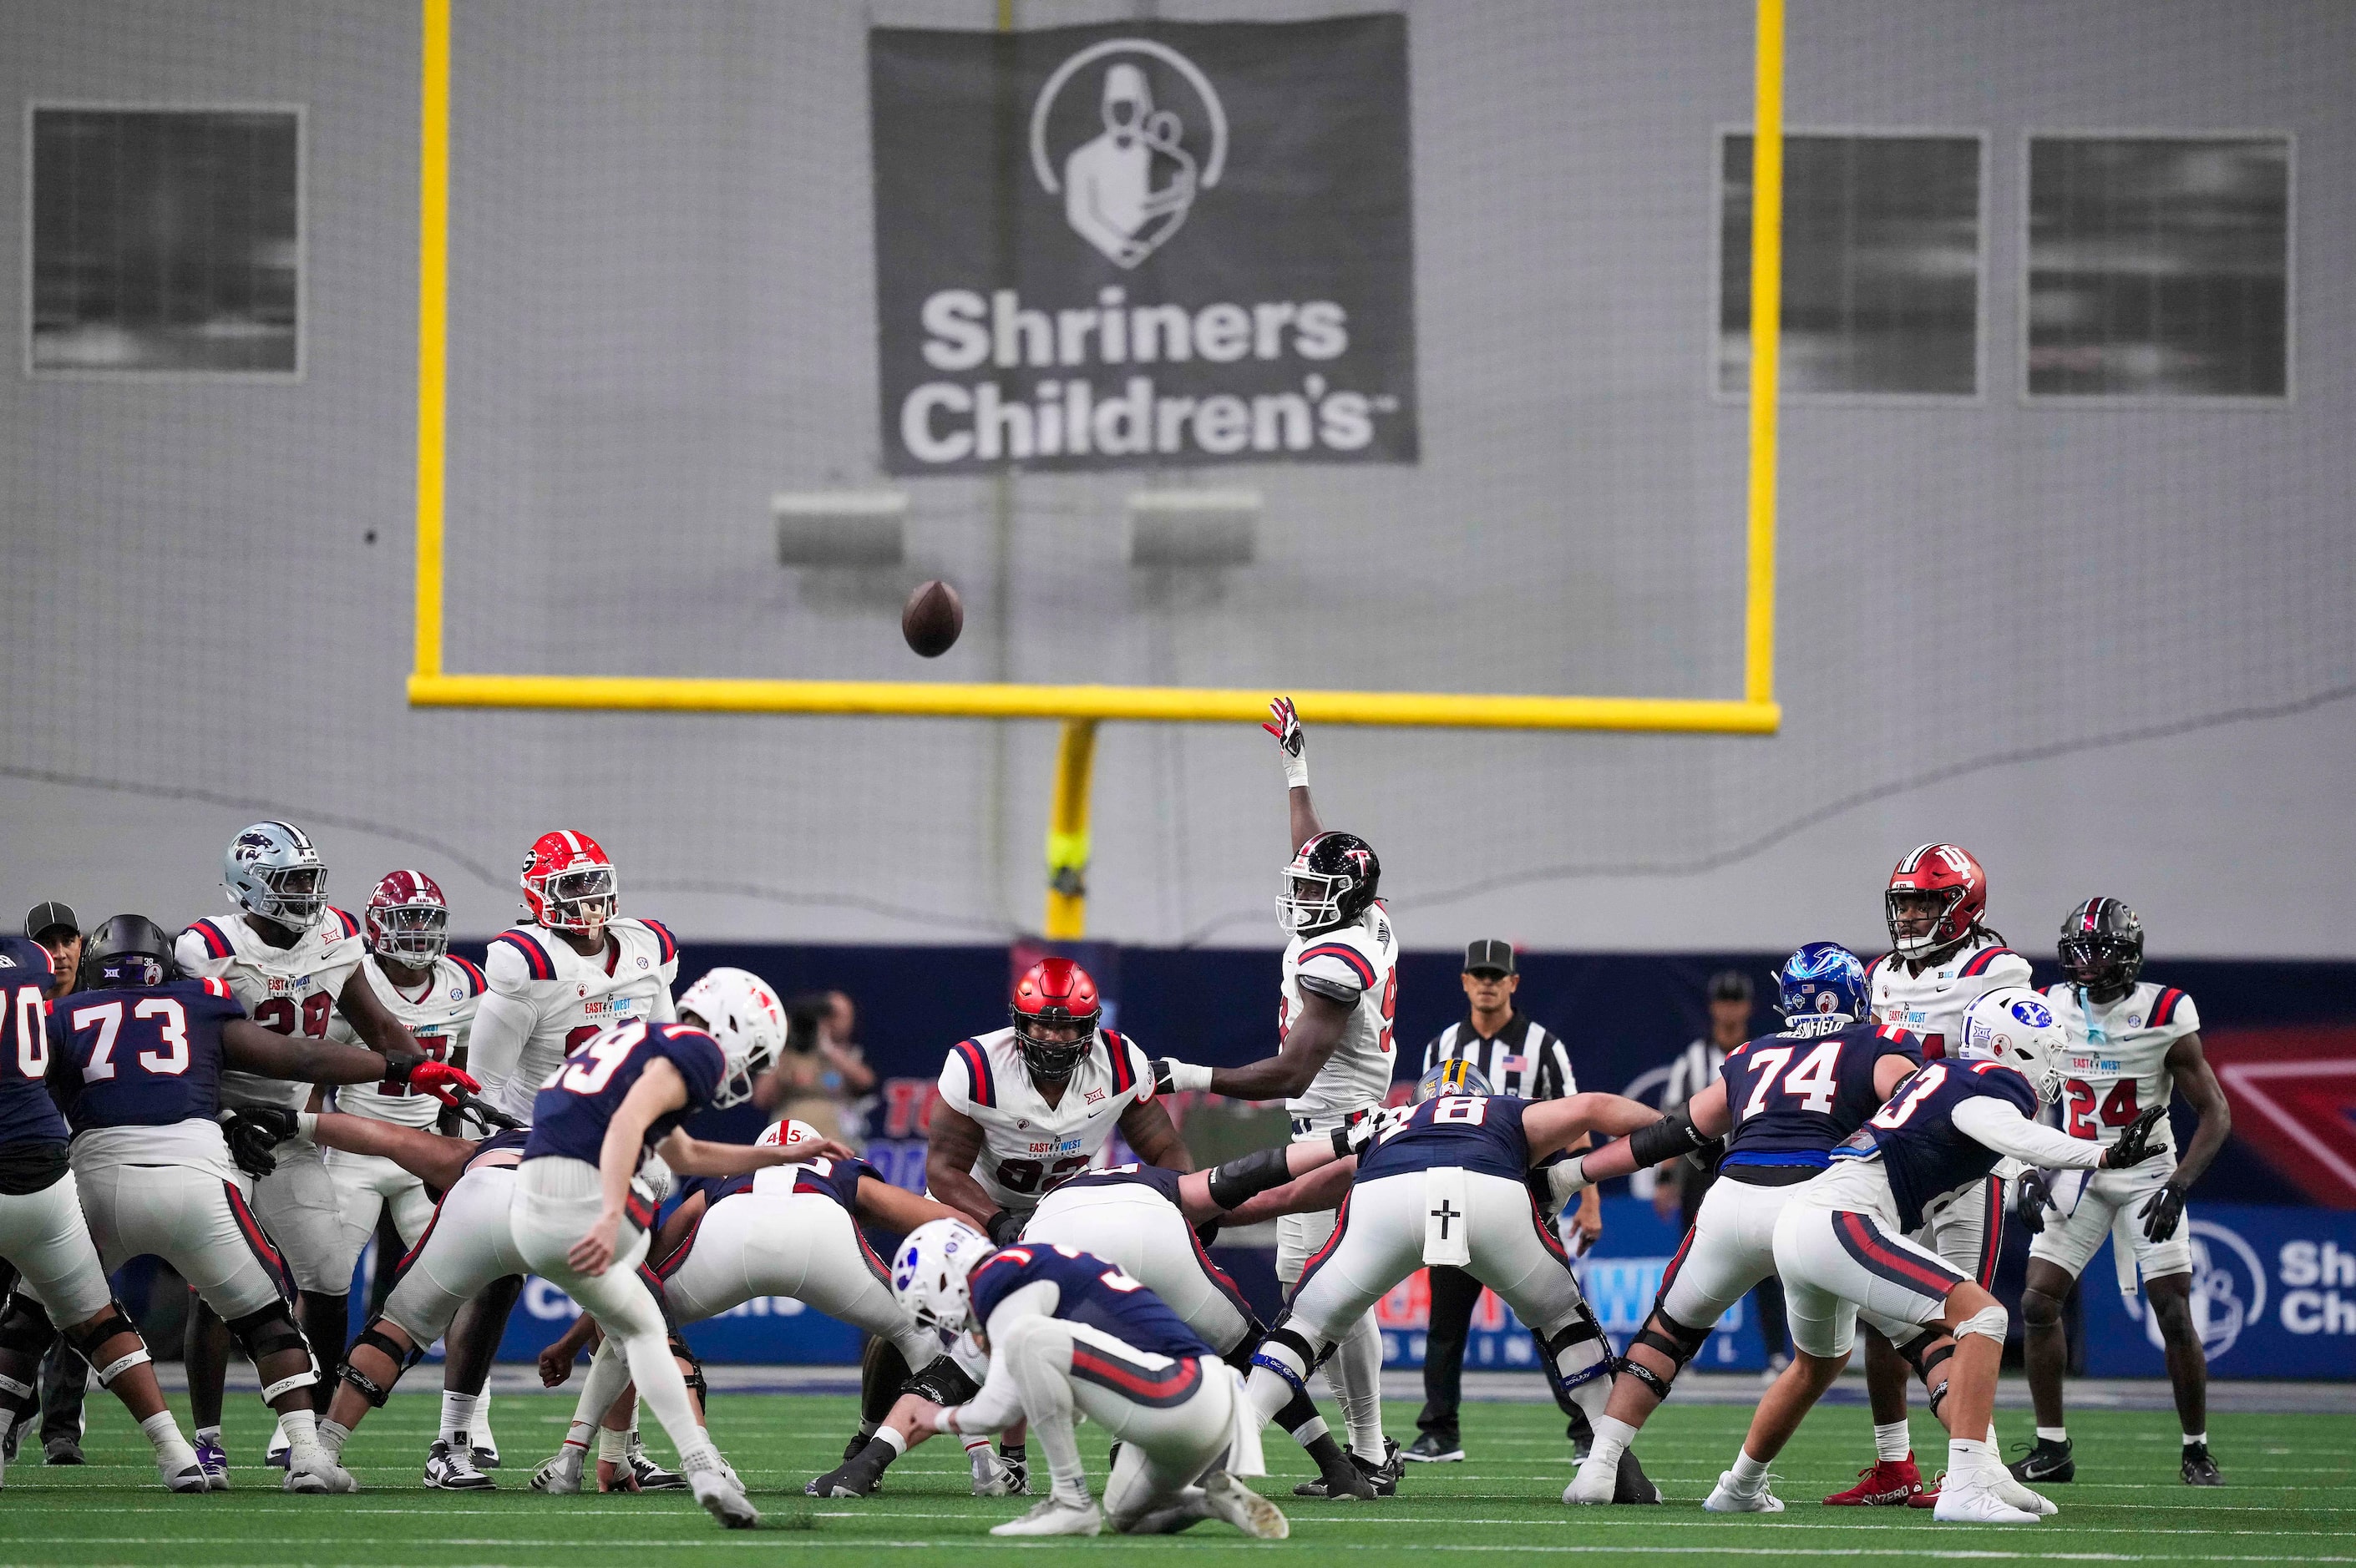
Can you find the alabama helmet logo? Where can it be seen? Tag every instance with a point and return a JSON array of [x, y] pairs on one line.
[[2229, 1289], [1128, 188]]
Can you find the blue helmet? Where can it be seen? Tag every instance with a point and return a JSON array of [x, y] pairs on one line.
[[1821, 983]]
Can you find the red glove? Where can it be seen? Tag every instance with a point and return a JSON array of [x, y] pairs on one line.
[[439, 1079]]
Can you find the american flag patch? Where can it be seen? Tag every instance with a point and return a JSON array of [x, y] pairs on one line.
[[1512, 1065]]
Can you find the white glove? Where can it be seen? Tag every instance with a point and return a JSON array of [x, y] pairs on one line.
[[1566, 1180], [1292, 741]]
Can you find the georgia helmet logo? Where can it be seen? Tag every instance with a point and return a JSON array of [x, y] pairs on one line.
[[2229, 1289], [1128, 188]]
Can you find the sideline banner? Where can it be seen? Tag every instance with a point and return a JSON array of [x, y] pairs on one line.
[[1145, 243], [2274, 1295]]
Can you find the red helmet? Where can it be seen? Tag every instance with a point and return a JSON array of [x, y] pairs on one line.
[[1055, 991], [1945, 877], [408, 919], [569, 883]]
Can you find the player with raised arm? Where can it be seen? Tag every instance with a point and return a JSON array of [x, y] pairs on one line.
[[293, 962], [1333, 1057], [1943, 957], [1842, 1252], [46, 1239], [1025, 1108], [574, 965], [1447, 1180], [1069, 1335], [2130, 1045], [1782, 1105], [139, 1060]]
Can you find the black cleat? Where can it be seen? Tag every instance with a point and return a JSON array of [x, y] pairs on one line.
[[2048, 1463], [1430, 1448], [1631, 1485], [65, 1451], [2199, 1469], [1352, 1480]]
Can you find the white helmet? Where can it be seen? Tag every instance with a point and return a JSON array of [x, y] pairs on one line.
[[741, 1011], [272, 870], [928, 1275], [789, 1136], [2014, 1025]]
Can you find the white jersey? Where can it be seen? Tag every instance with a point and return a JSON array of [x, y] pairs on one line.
[[1028, 1146], [555, 999], [1931, 1003], [1356, 964], [2117, 1064], [289, 989], [439, 1017]]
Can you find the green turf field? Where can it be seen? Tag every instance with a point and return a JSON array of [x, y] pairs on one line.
[[2292, 1499]]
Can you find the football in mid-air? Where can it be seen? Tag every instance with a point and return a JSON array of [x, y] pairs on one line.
[[932, 619]]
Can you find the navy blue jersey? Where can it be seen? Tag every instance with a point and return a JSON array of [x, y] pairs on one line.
[[1477, 1132], [1160, 1179], [143, 1056], [27, 1115], [835, 1179], [570, 1116], [1090, 1291], [1794, 1096], [1916, 1138]]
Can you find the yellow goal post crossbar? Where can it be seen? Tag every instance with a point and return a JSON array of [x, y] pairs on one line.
[[1755, 712]]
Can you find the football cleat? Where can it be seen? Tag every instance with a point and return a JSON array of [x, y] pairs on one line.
[[450, 1467], [1055, 1516], [2021, 1497], [561, 1472], [63, 1451], [2046, 1461], [1595, 1484], [188, 1478], [213, 1459], [996, 1477], [1433, 1449], [1885, 1483], [1248, 1511], [857, 1481], [1728, 1498], [723, 1499], [653, 1478], [314, 1473], [1351, 1479], [2199, 1469], [1631, 1485], [275, 1454], [1929, 1496], [1972, 1499]]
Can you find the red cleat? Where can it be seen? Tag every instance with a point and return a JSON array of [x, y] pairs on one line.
[[1889, 1483], [1929, 1496]]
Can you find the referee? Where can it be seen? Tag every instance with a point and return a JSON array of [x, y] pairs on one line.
[[1522, 1057]]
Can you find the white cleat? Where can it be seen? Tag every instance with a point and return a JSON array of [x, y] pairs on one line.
[[1054, 1516], [1245, 1508], [561, 1472], [2021, 1497], [313, 1473], [176, 1463], [1973, 1499], [994, 1477], [1727, 1497], [1595, 1483], [723, 1501]]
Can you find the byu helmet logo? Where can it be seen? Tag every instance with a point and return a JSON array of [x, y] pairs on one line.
[[1128, 188], [2033, 1014]]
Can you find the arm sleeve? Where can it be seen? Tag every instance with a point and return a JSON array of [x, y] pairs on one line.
[[999, 1405], [1999, 1124], [494, 1043]]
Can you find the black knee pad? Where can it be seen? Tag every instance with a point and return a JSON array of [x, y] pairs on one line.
[[1926, 1352], [375, 1393], [1672, 1339], [267, 1332], [110, 1323], [24, 1328], [1645, 1375], [943, 1381], [694, 1373]]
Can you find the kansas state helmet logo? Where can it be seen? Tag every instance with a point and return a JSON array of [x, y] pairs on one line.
[[2033, 1014], [1128, 186], [250, 845]]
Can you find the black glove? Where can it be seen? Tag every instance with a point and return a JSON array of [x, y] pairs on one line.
[[2163, 1213], [253, 1131], [1705, 1156], [943, 1382], [1208, 1233], [1004, 1227], [2031, 1199], [1161, 1083], [2135, 1145]]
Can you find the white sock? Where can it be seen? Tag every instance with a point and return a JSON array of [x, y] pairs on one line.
[[1967, 1455], [899, 1444], [1749, 1474], [973, 1445], [457, 1415], [1357, 1372], [302, 1432], [479, 1428], [333, 1436], [2196, 1440], [582, 1434], [1892, 1443], [209, 1435], [1612, 1437], [162, 1433]]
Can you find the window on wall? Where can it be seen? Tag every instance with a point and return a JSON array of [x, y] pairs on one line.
[[2160, 266], [165, 239], [1882, 264]]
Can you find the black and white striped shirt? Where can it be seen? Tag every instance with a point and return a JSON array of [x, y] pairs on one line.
[[1525, 1059]]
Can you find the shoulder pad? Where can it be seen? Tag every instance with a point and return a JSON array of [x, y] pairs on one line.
[[1124, 1066], [344, 922], [1873, 965], [475, 982], [1989, 960], [2173, 1008], [982, 1085], [1339, 963], [664, 940], [210, 942], [515, 958]]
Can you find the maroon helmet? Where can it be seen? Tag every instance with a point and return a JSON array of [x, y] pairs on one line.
[[408, 919], [1947, 879]]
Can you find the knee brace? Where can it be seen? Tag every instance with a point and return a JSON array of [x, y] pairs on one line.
[[1672, 1339], [693, 1376], [1929, 1351], [1562, 1345], [1988, 1322], [1289, 1355], [111, 1324], [943, 1381], [376, 1393], [267, 1332]]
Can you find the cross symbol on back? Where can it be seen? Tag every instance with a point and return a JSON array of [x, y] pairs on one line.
[[1444, 1214]]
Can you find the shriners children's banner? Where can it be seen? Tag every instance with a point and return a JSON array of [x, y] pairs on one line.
[[1144, 244]]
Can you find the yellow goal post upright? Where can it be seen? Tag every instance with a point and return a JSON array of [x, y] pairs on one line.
[[1080, 708]]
